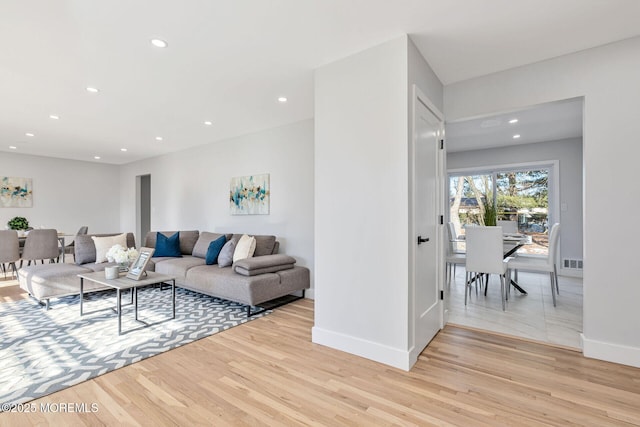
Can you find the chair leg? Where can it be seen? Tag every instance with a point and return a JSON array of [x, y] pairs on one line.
[[502, 294], [555, 275], [553, 289], [467, 284]]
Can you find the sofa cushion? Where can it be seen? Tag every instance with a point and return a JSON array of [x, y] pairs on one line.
[[85, 249], [188, 239], [178, 267], [214, 250], [264, 264], [204, 240], [245, 248], [103, 244], [168, 246], [265, 245], [54, 280], [225, 258]]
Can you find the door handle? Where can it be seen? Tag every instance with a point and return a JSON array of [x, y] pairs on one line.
[[421, 240]]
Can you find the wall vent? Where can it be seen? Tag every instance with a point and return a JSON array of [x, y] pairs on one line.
[[576, 264]]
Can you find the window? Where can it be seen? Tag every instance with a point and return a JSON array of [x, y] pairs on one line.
[[520, 195]]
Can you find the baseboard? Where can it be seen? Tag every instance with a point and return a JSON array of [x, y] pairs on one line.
[[568, 272], [368, 349], [622, 354], [309, 294]]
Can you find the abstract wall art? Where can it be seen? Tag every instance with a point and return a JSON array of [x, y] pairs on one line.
[[16, 192], [249, 195]]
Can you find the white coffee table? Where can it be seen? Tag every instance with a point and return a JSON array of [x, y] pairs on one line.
[[123, 283]]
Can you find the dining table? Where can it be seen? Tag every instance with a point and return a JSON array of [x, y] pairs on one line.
[[511, 243]]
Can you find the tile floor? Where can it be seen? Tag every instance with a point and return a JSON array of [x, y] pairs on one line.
[[531, 316]]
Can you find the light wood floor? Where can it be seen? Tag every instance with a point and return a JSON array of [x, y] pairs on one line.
[[268, 372]]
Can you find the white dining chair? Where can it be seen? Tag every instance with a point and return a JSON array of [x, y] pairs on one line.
[[541, 264], [455, 255], [485, 256], [508, 227]]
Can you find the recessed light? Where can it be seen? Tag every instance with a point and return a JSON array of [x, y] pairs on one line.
[[54, 117], [516, 136], [29, 134], [96, 157], [159, 43], [159, 138], [208, 123], [13, 147], [123, 149], [282, 99], [512, 121], [92, 90]]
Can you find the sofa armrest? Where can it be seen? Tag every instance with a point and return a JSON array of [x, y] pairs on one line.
[[263, 264]]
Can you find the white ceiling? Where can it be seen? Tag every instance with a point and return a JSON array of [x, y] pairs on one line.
[[228, 61], [546, 122]]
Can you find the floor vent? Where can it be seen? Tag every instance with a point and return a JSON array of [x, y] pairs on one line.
[[572, 263]]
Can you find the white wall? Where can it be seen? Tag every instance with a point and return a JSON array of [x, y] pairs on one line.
[[67, 194], [568, 153], [190, 188], [362, 203], [608, 79]]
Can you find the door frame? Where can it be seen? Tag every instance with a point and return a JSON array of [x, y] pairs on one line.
[[419, 97]]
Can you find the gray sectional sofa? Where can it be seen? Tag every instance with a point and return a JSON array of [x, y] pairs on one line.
[[46, 281], [253, 281]]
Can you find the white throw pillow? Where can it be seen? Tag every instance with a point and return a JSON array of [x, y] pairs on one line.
[[103, 244], [245, 248]]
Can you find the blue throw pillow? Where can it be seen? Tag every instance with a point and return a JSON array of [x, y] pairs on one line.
[[214, 250], [167, 246]]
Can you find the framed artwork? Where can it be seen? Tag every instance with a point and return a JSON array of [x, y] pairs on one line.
[[137, 268], [250, 195], [16, 192]]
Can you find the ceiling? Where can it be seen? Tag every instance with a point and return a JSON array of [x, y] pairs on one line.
[[228, 61], [546, 122]]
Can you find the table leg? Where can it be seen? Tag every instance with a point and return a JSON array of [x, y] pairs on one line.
[[515, 285], [173, 297], [62, 242], [81, 293], [135, 300], [119, 309]]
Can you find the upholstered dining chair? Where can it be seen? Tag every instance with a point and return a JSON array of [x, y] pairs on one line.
[[40, 245], [485, 256], [69, 249], [537, 264], [9, 250], [455, 256]]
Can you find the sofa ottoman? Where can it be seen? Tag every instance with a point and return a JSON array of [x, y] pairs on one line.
[[46, 281]]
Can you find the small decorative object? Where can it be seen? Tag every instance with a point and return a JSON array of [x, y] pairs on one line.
[[16, 192], [250, 195], [111, 272], [18, 223], [122, 256], [140, 264]]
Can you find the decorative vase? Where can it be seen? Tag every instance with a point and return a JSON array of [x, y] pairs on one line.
[[123, 267], [111, 272]]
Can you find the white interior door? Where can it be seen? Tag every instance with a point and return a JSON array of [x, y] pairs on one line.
[[427, 303]]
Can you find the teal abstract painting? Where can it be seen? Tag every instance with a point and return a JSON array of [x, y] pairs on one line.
[[249, 195], [16, 192]]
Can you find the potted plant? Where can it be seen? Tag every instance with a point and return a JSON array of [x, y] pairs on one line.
[[490, 215], [18, 223]]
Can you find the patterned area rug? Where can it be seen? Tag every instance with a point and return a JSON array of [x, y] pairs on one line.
[[45, 351]]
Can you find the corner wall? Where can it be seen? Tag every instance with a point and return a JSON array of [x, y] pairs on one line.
[[190, 188], [608, 79]]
